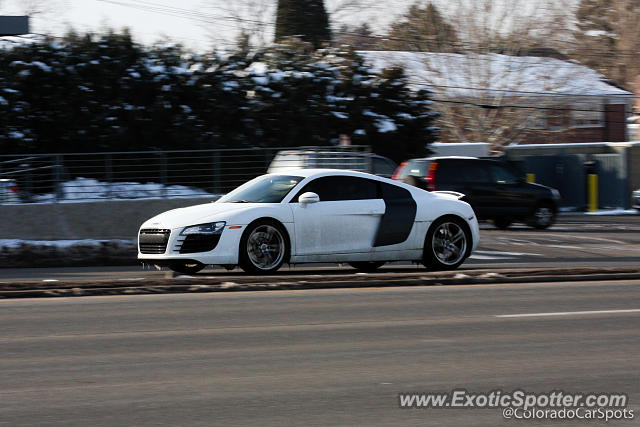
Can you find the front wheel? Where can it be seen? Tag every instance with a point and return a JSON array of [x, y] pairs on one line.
[[366, 266], [263, 247], [543, 216], [186, 267], [446, 244]]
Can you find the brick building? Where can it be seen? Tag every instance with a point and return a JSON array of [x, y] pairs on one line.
[[507, 100]]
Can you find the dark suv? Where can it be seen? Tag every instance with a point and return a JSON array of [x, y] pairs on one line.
[[492, 188]]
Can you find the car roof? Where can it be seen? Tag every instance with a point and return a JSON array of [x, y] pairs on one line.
[[317, 173], [306, 173], [344, 153], [447, 158]]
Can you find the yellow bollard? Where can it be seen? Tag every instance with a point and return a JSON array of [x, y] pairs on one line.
[[531, 177], [593, 192]]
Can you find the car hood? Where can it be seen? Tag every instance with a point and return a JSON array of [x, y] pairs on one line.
[[198, 214], [539, 187]]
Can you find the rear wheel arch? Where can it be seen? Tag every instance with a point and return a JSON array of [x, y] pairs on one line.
[[464, 224], [430, 258]]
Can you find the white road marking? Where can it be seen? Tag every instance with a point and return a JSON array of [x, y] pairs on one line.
[[499, 255], [569, 313], [505, 253], [617, 242], [487, 257]]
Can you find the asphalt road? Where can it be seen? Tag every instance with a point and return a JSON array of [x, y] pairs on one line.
[[574, 241], [333, 357]]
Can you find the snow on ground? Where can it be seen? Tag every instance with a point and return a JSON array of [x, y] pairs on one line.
[[92, 190], [17, 253], [16, 243], [618, 211]]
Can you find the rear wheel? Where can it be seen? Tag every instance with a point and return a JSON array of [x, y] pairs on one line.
[[186, 267], [502, 222], [264, 247], [366, 266], [543, 216], [446, 244]]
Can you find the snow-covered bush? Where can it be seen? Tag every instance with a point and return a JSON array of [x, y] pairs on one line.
[[107, 93]]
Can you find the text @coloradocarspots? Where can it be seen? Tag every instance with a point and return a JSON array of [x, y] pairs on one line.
[[582, 414], [517, 399]]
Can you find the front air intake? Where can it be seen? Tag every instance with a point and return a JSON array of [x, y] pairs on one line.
[[153, 240]]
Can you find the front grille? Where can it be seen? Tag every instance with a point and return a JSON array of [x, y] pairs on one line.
[[194, 243], [153, 240]]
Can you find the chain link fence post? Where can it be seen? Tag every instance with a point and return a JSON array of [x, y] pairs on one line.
[[163, 173], [57, 177], [108, 173], [216, 172]]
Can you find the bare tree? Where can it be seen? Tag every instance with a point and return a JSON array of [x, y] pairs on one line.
[[253, 21], [421, 28], [607, 38], [511, 25], [359, 37], [504, 99], [496, 88], [39, 11], [36, 7], [250, 20]]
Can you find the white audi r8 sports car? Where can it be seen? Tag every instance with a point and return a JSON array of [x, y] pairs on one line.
[[314, 215]]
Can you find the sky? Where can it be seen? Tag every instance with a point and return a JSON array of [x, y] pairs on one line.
[[197, 24]]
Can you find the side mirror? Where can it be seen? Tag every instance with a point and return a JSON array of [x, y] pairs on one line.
[[308, 197]]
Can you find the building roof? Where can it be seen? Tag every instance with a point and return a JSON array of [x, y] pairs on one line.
[[473, 75]]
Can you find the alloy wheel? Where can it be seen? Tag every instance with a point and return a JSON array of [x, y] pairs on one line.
[[265, 247], [449, 243]]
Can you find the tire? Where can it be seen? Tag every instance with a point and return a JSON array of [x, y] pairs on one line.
[[366, 266], [447, 244], [264, 247], [502, 222], [186, 267], [543, 216]]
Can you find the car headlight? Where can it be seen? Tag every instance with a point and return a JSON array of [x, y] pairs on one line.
[[555, 194], [210, 228]]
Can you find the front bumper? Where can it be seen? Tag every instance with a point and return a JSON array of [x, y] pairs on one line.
[[475, 232], [635, 199], [163, 246]]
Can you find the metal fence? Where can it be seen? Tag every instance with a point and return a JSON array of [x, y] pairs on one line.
[[69, 177], [568, 174]]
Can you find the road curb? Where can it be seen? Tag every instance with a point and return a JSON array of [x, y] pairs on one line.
[[237, 283]]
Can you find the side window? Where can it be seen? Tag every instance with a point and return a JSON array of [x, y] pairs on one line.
[[474, 172], [393, 192], [383, 167], [502, 175], [448, 172], [417, 168], [334, 188]]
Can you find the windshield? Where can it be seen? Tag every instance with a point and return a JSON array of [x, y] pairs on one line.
[[264, 189]]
